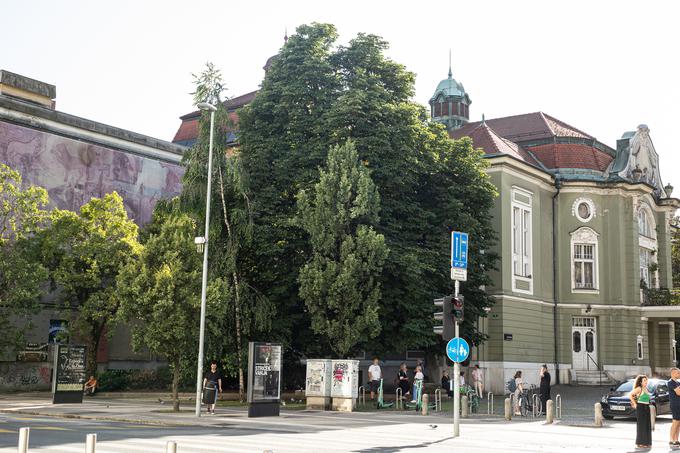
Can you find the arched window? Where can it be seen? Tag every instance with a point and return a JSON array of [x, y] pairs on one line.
[[644, 225]]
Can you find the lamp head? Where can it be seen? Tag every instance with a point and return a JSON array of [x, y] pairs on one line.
[[206, 106]]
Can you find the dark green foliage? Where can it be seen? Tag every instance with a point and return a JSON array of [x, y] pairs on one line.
[[340, 283], [314, 97]]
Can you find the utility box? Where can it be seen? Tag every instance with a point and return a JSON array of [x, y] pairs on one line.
[[318, 384], [344, 384]]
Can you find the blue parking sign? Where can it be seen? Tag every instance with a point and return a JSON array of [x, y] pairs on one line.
[[459, 249], [457, 349]]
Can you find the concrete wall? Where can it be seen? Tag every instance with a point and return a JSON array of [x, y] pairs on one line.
[[24, 376]]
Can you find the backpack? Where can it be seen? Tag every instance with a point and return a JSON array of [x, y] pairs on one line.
[[512, 386]]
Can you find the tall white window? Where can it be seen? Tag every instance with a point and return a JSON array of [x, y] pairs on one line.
[[584, 266], [521, 241], [644, 224], [649, 276], [584, 260]]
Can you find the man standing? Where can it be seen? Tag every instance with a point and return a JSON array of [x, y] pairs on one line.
[[212, 380], [478, 381], [674, 392], [544, 387], [374, 376]]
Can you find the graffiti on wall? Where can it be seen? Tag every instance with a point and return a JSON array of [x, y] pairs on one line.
[[73, 172], [24, 376]]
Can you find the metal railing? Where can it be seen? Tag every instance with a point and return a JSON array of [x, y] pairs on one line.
[[597, 365], [398, 398], [558, 407], [535, 405], [489, 403], [438, 400]]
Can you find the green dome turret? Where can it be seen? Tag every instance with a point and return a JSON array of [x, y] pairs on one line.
[[450, 103]]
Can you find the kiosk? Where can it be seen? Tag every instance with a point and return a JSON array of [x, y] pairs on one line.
[[264, 379]]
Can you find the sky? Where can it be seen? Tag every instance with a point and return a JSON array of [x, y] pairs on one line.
[[602, 66]]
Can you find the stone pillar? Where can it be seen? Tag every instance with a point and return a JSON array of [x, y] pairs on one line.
[[508, 409], [598, 415], [549, 412], [425, 406], [464, 408]]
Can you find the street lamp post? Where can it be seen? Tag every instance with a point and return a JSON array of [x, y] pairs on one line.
[[199, 371]]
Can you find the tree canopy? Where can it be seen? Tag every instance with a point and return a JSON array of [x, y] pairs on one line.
[[316, 95]]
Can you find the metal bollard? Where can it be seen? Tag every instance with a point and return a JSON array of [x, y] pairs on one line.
[[508, 409], [558, 407], [464, 406], [398, 395], [362, 393], [598, 415], [489, 403], [535, 405], [171, 447], [652, 415], [90, 443], [549, 415], [23, 440], [425, 404], [438, 400]]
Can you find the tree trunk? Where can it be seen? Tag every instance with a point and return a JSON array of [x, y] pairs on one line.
[[175, 387], [237, 301], [95, 338]]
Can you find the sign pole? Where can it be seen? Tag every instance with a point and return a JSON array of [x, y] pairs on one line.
[[456, 383]]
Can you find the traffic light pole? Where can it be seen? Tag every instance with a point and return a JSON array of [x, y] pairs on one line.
[[456, 383]]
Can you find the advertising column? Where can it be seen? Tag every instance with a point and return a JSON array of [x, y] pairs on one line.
[[68, 381], [264, 379]]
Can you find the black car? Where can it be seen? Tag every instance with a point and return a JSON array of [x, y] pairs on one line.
[[617, 402]]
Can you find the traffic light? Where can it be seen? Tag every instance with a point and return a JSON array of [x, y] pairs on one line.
[[458, 308], [444, 318]]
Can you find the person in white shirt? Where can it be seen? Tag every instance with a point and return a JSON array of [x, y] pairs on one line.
[[374, 376], [478, 381], [519, 388], [462, 378]]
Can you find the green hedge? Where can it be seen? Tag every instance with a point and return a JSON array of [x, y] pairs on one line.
[[121, 380]]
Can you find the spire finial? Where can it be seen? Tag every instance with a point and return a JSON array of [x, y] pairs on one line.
[[285, 36], [450, 73], [483, 120]]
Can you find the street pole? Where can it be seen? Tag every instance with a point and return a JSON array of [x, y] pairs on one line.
[[456, 381], [204, 285]]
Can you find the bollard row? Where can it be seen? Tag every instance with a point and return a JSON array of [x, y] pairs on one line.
[[90, 443]]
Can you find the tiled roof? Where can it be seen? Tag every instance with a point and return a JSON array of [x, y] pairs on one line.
[[188, 130], [492, 143], [528, 127], [230, 104], [568, 155]]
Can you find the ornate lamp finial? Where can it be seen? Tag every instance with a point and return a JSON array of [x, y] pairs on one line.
[[450, 72], [285, 36]]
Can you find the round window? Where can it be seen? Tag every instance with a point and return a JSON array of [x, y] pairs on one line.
[[583, 209]]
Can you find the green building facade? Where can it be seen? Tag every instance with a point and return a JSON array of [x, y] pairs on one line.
[[584, 239]]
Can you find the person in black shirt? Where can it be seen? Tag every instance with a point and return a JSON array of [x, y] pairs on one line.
[[446, 383], [403, 380], [213, 379], [674, 394], [544, 388]]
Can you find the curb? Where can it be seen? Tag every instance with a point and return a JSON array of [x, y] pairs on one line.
[[106, 419]]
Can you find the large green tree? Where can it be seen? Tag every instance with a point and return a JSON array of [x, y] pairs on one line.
[[340, 284], [85, 252], [22, 215], [160, 294], [316, 95], [249, 312]]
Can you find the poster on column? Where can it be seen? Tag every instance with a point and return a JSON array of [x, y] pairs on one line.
[[265, 372], [68, 380]]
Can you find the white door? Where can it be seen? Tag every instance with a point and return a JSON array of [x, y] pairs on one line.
[[584, 343]]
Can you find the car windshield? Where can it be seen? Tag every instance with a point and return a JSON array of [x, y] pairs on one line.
[[628, 386]]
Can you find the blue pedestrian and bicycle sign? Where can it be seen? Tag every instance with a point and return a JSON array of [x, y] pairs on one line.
[[457, 349], [459, 255]]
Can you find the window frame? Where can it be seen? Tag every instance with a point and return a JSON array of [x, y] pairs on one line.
[[585, 236], [524, 254]]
